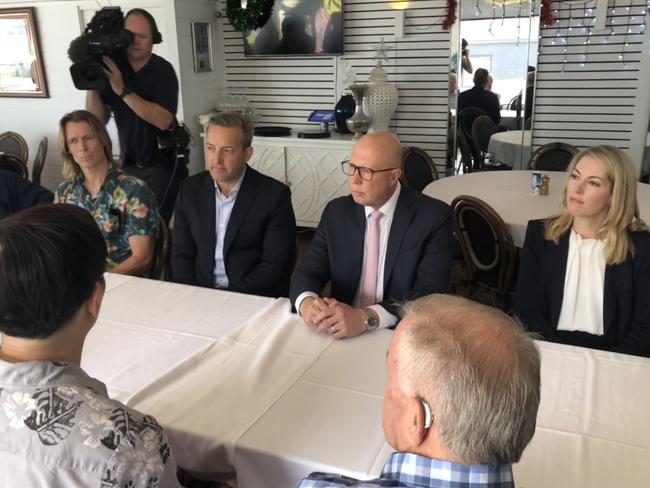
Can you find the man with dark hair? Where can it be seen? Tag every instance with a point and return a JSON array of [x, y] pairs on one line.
[[59, 428], [461, 400], [480, 97], [17, 193], [144, 99], [234, 228]]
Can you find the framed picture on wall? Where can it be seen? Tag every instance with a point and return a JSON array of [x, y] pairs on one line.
[[202, 46], [21, 63]]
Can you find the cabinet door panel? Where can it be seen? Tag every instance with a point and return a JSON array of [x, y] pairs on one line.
[[269, 160], [315, 178]]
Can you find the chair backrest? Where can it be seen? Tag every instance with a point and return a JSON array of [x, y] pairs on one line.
[[14, 144], [10, 162], [482, 129], [466, 118], [39, 161], [554, 156], [465, 151], [488, 249], [418, 169], [160, 251]]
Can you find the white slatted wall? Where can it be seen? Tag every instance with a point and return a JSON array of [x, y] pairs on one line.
[[284, 90], [589, 100]]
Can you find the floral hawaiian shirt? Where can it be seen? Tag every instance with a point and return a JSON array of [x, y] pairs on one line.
[[124, 207], [59, 429]]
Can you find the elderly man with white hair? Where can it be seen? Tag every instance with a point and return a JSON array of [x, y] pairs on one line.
[[461, 400]]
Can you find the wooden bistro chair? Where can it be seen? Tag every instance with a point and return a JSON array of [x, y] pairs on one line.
[[554, 156], [39, 161], [489, 253], [418, 169], [14, 144], [10, 162], [160, 251]]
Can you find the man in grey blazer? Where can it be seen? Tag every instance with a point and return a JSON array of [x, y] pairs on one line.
[[382, 244], [234, 228]]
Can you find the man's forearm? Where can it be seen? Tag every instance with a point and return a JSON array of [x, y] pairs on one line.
[[149, 111]]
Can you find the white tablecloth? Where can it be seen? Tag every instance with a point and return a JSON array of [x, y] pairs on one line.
[[260, 394], [508, 192], [511, 147]]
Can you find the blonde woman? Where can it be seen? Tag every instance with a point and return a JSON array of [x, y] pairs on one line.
[[584, 276], [123, 207]]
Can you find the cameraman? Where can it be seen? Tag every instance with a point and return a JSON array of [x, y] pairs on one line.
[[144, 100]]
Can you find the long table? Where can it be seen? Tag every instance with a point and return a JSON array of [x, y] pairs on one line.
[[243, 387]]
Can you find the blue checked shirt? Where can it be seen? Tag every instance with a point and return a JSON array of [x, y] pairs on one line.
[[410, 470]]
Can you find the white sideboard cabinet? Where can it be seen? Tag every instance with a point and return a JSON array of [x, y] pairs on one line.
[[310, 167]]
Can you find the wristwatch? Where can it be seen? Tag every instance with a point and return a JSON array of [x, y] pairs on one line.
[[370, 320], [125, 91]]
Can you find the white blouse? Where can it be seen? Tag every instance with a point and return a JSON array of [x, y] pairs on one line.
[[584, 286]]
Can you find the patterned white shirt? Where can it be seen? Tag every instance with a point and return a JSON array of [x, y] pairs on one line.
[[58, 428]]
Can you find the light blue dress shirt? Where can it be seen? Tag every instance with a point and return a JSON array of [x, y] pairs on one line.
[[224, 205]]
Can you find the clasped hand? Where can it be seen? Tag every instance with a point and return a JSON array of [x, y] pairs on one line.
[[327, 315]]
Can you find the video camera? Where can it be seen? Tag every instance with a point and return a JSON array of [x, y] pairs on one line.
[[104, 35]]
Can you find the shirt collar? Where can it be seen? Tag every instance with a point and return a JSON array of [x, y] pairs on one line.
[[421, 471], [235, 190], [388, 208], [44, 374]]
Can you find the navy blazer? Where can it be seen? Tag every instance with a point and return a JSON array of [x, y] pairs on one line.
[[626, 303], [259, 244], [17, 193], [418, 257]]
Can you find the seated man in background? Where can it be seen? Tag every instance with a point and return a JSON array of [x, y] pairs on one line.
[[234, 228], [58, 428], [382, 244], [17, 193], [480, 97], [461, 400], [123, 207]]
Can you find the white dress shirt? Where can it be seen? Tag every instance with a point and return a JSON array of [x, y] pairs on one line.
[[584, 286], [386, 319], [224, 205]]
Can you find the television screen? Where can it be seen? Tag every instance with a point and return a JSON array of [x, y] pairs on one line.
[[299, 27]]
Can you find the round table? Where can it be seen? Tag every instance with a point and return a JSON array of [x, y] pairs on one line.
[[508, 192], [509, 148]]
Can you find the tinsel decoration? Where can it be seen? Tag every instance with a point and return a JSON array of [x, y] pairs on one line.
[[255, 15], [547, 16], [450, 16]]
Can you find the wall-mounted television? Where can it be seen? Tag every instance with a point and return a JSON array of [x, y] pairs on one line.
[[299, 28]]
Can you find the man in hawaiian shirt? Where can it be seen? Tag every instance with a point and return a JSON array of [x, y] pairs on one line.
[[461, 400], [123, 207], [58, 428]]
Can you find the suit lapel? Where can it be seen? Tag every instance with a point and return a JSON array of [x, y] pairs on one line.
[[401, 221], [556, 266], [244, 200], [208, 211], [356, 232], [614, 279]]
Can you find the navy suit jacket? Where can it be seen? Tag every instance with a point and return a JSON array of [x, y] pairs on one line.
[[418, 257], [17, 193], [626, 300], [259, 244]]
